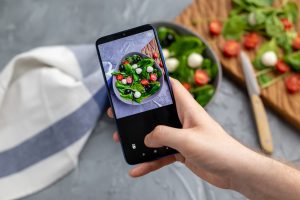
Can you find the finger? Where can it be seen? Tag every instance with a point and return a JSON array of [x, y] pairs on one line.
[[186, 104], [110, 112], [166, 136], [116, 137], [148, 167]]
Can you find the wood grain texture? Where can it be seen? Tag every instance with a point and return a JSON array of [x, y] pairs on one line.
[[197, 17]]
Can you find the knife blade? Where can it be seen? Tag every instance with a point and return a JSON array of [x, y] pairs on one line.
[[262, 124]]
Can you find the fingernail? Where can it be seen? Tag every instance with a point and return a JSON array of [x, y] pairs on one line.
[[147, 140]]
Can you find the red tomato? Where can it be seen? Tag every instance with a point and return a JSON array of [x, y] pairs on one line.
[[251, 40], [186, 86], [153, 77], [296, 43], [144, 82], [286, 23], [215, 27], [129, 80], [160, 64], [125, 62], [231, 48], [292, 83], [119, 77], [282, 67], [154, 55], [201, 77]]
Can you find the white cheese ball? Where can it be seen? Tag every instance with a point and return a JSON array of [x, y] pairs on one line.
[[252, 19], [166, 53], [134, 66], [269, 59], [172, 64], [124, 81], [195, 60], [138, 70], [149, 69], [137, 94]]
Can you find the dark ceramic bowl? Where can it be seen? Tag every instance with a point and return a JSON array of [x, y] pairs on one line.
[[208, 53]]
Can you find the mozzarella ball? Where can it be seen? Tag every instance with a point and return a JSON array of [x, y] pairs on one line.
[[195, 60], [149, 69], [166, 53], [269, 59], [172, 64], [252, 19], [124, 81], [138, 70], [134, 66], [137, 94]]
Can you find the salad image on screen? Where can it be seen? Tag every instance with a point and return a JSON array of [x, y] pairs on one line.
[[137, 78]]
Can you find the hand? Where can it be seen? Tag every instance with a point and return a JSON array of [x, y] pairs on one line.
[[203, 146]]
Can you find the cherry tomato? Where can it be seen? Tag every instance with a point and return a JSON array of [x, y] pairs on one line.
[[201, 77], [125, 62], [231, 48], [144, 82], [154, 55], [292, 83], [215, 27], [119, 77], [129, 80], [282, 67], [153, 77], [186, 86], [296, 43], [286, 23], [160, 64], [251, 40]]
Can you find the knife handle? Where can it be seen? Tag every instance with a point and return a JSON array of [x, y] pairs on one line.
[[262, 124]]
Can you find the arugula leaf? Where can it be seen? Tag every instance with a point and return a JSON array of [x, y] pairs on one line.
[[234, 27], [138, 87], [285, 40], [267, 46], [146, 62], [260, 3], [293, 60]]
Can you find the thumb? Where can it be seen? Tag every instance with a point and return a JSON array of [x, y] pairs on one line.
[[165, 136]]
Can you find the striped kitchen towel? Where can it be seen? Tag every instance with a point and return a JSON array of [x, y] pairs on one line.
[[50, 101]]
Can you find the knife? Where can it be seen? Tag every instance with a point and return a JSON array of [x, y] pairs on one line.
[[262, 124]]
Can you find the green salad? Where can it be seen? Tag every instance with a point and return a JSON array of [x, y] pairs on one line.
[[137, 78], [187, 63]]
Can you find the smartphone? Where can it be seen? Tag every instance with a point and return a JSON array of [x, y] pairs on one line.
[[139, 89]]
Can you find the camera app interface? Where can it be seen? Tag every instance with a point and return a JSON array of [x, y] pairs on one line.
[[135, 74]]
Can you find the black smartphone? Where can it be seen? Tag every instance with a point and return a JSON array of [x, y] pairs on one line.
[[139, 89]]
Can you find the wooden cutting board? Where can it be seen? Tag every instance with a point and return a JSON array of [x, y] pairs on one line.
[[197, 17]]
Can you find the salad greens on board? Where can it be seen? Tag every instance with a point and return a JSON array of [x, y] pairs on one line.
[[185, 61], [250, 20], [137, 78]]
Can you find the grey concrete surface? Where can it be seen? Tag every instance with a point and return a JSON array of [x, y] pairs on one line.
[[102, 171]]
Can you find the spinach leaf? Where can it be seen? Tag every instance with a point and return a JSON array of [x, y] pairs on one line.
[[203, 94], [128, 69], [285, 41], [293, 60], [234, 27], [146, 62], [138, 87], [260, 3], [126, 96], [186, 44], [290, 10], [274, 27], [264, 79], [155, 87]]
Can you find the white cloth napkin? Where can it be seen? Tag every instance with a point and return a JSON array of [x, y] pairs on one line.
[[50, 101]]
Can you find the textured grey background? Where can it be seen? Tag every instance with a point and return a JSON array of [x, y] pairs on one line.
[[102, 171]]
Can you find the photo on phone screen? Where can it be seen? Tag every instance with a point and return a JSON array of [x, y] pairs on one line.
[[139, 89], [135, 75]]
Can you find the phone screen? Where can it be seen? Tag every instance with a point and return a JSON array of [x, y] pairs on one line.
[[139, 90]]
